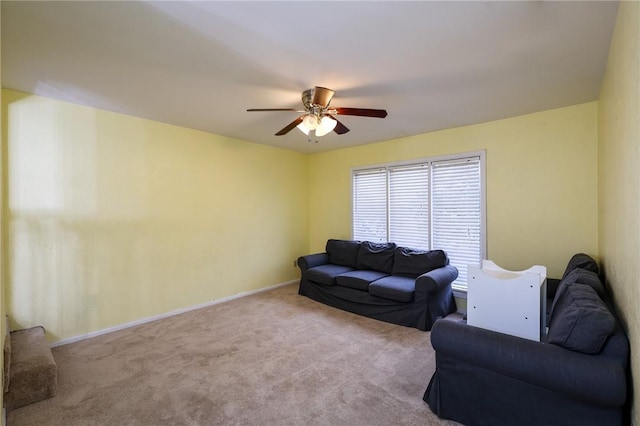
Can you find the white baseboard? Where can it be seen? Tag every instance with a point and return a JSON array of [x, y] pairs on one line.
[[166, 315]]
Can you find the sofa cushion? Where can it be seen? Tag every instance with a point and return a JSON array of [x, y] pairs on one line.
[[583, 261], [400, 289], [376, 256], [413, 262], [584, 276], [343, 252], [326, 274], [359, 279], [579, 276], [580, 320]]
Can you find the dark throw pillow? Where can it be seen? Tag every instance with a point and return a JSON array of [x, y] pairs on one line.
[[376, 256], [580, 320], [410, 262], [343, 252]]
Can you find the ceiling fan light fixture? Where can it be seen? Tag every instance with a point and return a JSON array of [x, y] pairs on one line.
[[327, 124], [303, 128], [310, 121]]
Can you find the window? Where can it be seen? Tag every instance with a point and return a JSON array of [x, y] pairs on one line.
[[433, 203]]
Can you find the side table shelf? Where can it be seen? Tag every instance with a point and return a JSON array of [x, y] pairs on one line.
[[510, 302]]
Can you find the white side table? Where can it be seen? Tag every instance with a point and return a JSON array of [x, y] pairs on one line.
[[510, 302]]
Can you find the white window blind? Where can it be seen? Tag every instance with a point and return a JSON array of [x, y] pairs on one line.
[[456, 212], [370, 205], [409, 205], [430, 204]]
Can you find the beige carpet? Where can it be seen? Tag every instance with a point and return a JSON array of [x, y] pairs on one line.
[[274, 358]]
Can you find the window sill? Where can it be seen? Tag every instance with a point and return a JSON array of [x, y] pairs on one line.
[[460, 293]]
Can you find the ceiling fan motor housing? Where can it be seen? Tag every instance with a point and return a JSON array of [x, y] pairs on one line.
[[317, 98]]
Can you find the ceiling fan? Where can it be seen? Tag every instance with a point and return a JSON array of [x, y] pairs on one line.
[[319, 117]]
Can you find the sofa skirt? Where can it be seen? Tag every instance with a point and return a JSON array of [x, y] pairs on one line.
[[410, 314]]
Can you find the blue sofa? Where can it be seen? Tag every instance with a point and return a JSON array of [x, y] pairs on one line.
[[578, 374], [395, 284]]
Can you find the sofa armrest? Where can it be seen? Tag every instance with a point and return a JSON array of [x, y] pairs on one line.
[[311, 260], [592, 378], [436, 280]]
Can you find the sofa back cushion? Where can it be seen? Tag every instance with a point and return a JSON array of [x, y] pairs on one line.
[[343, 252], [412, 263], [579, 276], [583, 276], [580, 321], [583, 261], [376, 256]]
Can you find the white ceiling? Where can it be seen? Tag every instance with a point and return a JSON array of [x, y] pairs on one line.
[[431, 65]]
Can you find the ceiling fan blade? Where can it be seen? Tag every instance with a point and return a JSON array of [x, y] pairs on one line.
[[271, 109], [340, 128], [291, 126], [362, 112], [322, 96]]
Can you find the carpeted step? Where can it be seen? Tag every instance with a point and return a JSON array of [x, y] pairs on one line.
[[33, 374]]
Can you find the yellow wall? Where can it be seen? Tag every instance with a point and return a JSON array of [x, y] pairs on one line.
[[619, 177], [541, 184], [112, 218], [3, 327]]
